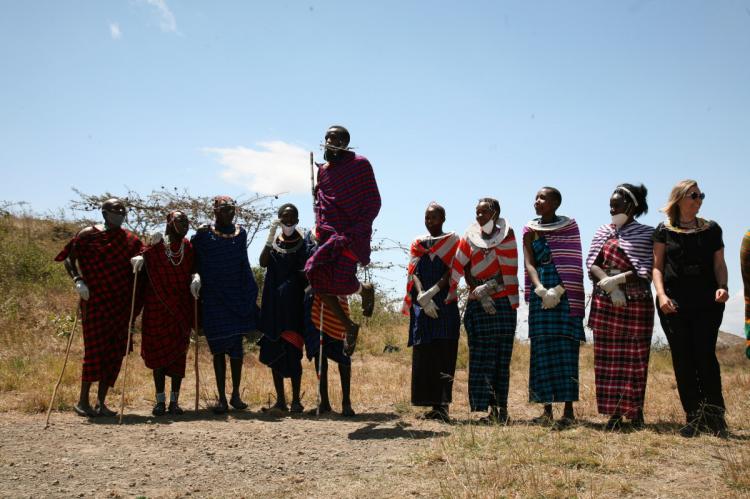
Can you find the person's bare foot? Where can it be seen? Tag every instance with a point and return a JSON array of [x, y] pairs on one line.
[[347, 411], [221, 407], [368, 299], [323, 408], [84, 410], [296, 407], [350, 340], [276, 409], [237, 402]]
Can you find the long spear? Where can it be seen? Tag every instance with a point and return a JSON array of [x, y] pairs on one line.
[[65, 363], [127, 347], [320, 323]]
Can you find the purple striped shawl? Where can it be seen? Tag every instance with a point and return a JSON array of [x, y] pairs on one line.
[[565, 246], [635, 241], [347, 202]]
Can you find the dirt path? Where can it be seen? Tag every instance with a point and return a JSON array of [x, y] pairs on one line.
[[247, 454]]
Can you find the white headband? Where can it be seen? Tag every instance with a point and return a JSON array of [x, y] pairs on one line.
[[626, 191]]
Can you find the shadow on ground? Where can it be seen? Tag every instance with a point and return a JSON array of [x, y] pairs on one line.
[[400, 430]]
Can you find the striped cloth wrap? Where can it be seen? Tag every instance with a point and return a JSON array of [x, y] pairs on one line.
[[565, 247], [489, 259], [444, 248], [634, 239]]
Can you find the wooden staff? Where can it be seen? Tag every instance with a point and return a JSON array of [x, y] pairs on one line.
[[127, 348], [197, 371], [320, 359], [65, 363]]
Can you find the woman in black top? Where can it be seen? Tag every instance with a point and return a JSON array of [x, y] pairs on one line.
[[690, 277]]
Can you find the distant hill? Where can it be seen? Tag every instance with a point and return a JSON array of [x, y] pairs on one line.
[[729, 340]]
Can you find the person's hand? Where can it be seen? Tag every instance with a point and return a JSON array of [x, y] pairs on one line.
[[483, 290], [552, 297], [608, 284], [488, 304], [83, 290], [195, 286], [666, 304], [540, 291], [722, 295], [618, 298], [426, 297], [431, 310], [137, 263], [272, 232]]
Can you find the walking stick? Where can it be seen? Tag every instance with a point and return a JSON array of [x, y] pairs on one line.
[[65, 363], [197, 372], [320, 360], [127, 348]]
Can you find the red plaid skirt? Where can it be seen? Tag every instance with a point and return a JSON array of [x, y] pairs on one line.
[[622, 344], [337, 277], [621, 370], [167, 310]]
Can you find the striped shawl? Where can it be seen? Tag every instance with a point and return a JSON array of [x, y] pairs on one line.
[[635, 241], [488, 263], [444, 248], [565, 246]]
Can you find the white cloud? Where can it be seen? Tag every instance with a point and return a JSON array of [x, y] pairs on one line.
[[167, 21], [273, 168], [114, 31]]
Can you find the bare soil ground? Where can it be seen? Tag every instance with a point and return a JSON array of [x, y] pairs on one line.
[[385, 451], [246, 454]]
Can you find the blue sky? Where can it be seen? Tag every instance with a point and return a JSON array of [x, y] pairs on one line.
[[451, 101]]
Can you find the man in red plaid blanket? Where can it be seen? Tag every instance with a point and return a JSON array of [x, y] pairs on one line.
[[98, 261], [167, 308]]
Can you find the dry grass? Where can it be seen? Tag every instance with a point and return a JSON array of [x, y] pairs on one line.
[[519, 460]]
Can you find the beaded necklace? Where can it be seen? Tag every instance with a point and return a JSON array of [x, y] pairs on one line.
[[299, 241], [226, 236], [171, 255]]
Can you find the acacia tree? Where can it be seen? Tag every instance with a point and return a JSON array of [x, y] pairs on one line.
[[147, 213]]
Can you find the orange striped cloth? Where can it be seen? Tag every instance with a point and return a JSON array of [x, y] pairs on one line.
[[499, 259], [331, 325]]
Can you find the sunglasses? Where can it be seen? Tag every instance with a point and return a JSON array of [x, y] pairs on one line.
[[695, 195]]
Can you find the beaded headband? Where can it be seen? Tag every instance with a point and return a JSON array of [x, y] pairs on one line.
[[627, 191]]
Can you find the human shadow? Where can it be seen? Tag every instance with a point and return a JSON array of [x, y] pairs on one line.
[[371, 431], [242, 415], [167, 419]]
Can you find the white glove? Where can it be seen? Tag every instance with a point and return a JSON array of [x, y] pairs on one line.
[[431, 310], [540, 291], [155, 238], [272, 232], [137, 263], [426, 297], [83, 290], [608, 284], [485, 289], [618, 298], [488, 305], [552, 297], [195, 286]]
